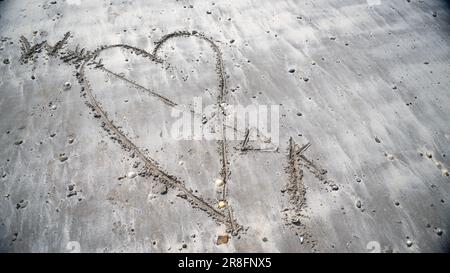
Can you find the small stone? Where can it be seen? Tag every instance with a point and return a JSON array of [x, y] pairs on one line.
[[222, 204], [18, 142], [71, 140], [302, 239], [292, 70], [429, 155], [296, 221], [184, 246], [334, 187], [358, 204], [439, 231], [397, 203], [208, 12], [264, 239], [409, 243], [6, 61], [299, 114], [219, 182], [222, 239], [22, 204], [67, 85], [445, 172], [63, 157], [305, 79], [131, 175], [163, 190], [358, 180], [377, 140], [332, 38], [53, 107], [231, 41]]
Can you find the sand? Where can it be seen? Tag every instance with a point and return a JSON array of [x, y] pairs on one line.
[[90, 91]]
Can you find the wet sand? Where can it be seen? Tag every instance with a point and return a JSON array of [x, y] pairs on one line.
[[87, 96]]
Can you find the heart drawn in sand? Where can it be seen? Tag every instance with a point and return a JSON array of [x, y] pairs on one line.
[[222, 212]]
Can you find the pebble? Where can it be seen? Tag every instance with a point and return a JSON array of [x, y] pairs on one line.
[[222, 239], [163, 190], [6, 61], [63, 157], [67, 85], [18, 142], [358, 180], [296, 221], [397, 203], [358, 204], [222, 204], [438, 164], [409, 243], [22, 204], [292, 70], [264, 239], [429, 155], [334, 187], [53, 107], [131, 175], [219, 182], [439, 231], [445, 172], [377, 140]]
